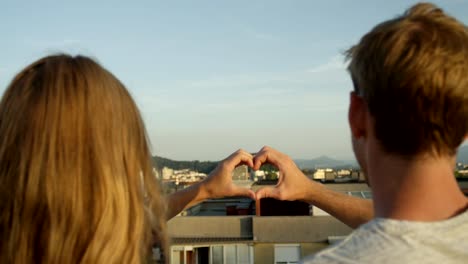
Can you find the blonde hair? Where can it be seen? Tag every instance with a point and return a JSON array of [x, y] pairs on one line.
[[413, 73], [75, 171]]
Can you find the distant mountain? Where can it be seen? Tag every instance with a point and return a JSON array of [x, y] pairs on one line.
[[463, 154], [323, 162], [327, 162]]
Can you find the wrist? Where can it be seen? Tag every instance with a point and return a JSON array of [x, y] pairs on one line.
[[312, 190], [203, 192]]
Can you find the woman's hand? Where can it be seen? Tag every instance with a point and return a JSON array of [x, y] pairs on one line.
[[219, 183]]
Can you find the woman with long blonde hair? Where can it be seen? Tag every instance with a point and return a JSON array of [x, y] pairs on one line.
[[75, 169]]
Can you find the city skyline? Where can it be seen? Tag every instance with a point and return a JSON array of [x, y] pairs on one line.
[[212, 77]]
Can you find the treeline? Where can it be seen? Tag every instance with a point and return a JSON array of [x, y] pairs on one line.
[[195, 165]]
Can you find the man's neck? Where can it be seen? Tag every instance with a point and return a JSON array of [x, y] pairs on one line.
[[424, 189]]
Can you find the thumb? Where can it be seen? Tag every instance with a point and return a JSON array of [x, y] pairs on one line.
[[268, 192], [239, 191]]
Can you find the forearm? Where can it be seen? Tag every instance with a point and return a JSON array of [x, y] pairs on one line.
[[217, 185], [178, 201], [350, 210]]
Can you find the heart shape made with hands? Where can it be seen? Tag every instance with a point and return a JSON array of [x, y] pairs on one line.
[[291, 181], [267, 159], [255, 161]]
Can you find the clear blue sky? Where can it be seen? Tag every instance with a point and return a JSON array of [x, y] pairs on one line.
[[214, 76]]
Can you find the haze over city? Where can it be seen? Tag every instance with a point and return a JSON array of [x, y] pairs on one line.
[[214, 76]]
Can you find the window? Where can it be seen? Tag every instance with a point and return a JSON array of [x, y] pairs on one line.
[[203, 254], [243, 254], [182, 254], [361, 194], [230, 254], [217, 255], [177, 255], [287, 253], [236, 254], [214, 254]]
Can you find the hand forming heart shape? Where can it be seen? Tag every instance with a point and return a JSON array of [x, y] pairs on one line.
[[292, 183]]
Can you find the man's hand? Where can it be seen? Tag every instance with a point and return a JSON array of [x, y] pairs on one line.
[[292, 183], [219, 183]]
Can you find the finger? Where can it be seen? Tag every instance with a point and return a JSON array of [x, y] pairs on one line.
[[240, 151], [239, 191], [266, 155], [268, 192], [247, 159], [244, 163], [245, 152], [247, 155], [259, 159], [280, 178], [237, 159]]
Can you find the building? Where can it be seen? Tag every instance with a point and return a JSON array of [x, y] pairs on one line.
[[223, 207], [251, 239], [167, 173], [462, 173], [258, 175], [241, 173], [343, 173], [319, 175], [324, 175], [258, 237], [330, 176]]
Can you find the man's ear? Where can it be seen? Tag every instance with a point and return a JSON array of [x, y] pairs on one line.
[[357, 115]]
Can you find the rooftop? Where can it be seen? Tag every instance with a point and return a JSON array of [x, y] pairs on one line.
[[271, 229]]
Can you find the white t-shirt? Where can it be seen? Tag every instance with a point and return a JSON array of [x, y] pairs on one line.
[[393, 241]]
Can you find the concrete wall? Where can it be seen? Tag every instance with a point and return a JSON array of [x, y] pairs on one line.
[[312, 248], [339, 187], [348, 187], [263, 229], [297, 229], [264, 253], [206, 226]]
